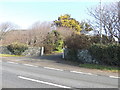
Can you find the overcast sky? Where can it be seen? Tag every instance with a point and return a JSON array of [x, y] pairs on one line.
[[26, 12]]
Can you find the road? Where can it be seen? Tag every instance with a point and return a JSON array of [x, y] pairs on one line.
[[18, 75]]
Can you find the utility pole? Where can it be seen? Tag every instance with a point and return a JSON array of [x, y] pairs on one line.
[[119, 10], [119, 19], [100, 22]]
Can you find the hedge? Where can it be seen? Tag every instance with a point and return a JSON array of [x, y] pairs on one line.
[[106, 54], [17, 48], [76, 42]]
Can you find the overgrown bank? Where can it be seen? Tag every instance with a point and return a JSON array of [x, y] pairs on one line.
[[19, 49], [86, 50]]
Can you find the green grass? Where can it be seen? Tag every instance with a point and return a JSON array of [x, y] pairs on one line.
[[8, 55], [100, 67], [60, 51]]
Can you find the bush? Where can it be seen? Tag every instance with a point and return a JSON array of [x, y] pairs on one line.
[[76, 41], [106, 54], [105, 39], [71, 55], [74, 44], [17, 48], [58, 45], [53, 42]]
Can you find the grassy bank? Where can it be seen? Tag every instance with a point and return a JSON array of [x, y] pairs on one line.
[[8, 55], [100, 67]]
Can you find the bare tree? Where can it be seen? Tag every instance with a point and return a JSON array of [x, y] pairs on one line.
[[15, 36], [38, 32], [109, 19], [65, 32], [32, 36], [5, 27]]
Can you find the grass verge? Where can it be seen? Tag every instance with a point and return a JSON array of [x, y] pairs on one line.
[[8, 55], [55, 52], [100, 67], [58, 51]]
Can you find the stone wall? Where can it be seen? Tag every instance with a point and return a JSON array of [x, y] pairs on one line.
[[31, 51], [82, 56], [4, 50]]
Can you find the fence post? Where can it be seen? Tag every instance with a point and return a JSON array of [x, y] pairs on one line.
[[63, 55], [42, 51]]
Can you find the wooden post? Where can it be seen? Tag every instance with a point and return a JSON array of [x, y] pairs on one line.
[[63, 55], [42, 51]]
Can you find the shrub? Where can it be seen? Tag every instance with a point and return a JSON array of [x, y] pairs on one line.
[[74, 44], [105, 39], [17, 48], [71, 55], [106, 54], [76, 41], [48, 48], [113, 53], [58, 45], [53, 42]]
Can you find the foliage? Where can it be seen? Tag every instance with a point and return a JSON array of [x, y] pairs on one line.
[[105, 39], [58, 45], [67, 21], [76, 41], [86, 26], [60, 51], [72, 55], [17, 48], [53, 42], [106, 54], [8, 55]]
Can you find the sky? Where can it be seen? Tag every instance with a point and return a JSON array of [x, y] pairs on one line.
[[26, 12]]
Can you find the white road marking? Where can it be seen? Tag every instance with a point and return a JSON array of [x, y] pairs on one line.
[[12, 62], [34, 80], [30, 65], [83, 73], [114, 77], [62, 70], [53, 68]]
